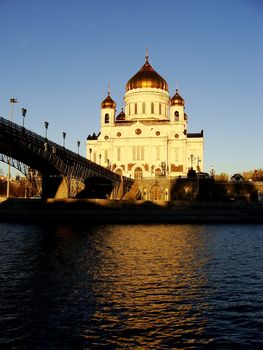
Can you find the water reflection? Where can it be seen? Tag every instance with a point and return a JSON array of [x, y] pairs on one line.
[[136, 286], [151, 281]]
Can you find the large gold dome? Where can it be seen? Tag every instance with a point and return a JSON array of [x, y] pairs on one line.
[[146, 78]]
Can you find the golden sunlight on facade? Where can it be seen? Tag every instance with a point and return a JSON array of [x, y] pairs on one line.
[[149, 138]]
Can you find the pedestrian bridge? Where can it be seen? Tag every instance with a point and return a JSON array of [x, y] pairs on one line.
[[26, 150]]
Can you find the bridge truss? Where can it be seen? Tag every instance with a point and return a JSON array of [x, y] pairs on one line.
[[24, 150]]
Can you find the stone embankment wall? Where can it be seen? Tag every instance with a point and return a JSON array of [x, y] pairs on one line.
[[101, 211]]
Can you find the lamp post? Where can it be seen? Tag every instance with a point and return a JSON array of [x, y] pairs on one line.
[[109, 165], [23, 110], [12, 102], [192, 158], [163, 167], [212, 171], [46, 127], [64, 137], [198, 162], [78, 144]]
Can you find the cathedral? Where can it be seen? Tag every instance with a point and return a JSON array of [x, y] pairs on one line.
[[148, 138]]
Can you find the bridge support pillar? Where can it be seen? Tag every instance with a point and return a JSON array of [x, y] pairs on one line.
[[120, 189], [55, 187]]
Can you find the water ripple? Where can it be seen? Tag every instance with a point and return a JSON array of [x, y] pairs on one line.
[[139, 287]]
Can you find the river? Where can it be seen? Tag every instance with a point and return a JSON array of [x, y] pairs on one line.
[[131, 287]]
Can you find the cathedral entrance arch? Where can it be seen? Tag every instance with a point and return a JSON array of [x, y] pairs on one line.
[[138, 173], [156, 192]]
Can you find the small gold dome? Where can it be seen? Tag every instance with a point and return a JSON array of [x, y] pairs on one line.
[[108, 103], [146, 78], [177, 100], [120, 116]]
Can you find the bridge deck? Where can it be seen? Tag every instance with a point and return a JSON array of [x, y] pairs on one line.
[[48, 157]]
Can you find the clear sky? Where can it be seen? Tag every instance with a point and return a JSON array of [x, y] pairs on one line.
[[59, 56]]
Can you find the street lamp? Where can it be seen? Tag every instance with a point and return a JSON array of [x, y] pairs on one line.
[[212, 171], [163, 167], [64, 137], [23, 110], [109, 166], [198, 162], [46, 127], [78, 144], [192, 158], [90, 151], [12, 102]]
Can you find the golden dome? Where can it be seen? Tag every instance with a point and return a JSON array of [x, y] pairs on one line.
[[108, 103], [121, 115], [146, 78], [177, 100]]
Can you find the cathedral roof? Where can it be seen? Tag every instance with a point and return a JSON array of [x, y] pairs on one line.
[[108, 102], [177, 100], [147, 77]]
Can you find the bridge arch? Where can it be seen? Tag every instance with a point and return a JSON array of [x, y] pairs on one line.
[[38, 153]]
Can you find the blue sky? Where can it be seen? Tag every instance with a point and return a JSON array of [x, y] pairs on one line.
[[58, 57]]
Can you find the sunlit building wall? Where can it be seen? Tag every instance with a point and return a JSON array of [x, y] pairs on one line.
[[149, 137]]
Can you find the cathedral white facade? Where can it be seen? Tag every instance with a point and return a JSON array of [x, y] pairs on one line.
[[149, 138]]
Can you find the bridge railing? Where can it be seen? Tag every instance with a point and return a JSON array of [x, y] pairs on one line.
[[64, 160]]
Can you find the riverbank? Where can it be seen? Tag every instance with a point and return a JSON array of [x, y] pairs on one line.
[[102, 211]]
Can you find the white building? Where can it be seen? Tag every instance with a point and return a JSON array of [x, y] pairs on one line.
[[149, 138]]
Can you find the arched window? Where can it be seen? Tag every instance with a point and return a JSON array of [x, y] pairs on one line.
[[135, 108], [106, 157], [176, 116], [158, 172], [158, 152], [107, 118], [119, 171], [160, 108], [152, 108], [138, 173], [118, 153], [143, 108]]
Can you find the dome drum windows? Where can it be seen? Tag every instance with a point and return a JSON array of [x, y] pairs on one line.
[[146, 108], [152, 108], [135, 108], [143, 108]]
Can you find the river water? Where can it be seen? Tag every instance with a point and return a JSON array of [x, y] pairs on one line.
[[131, 287]]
